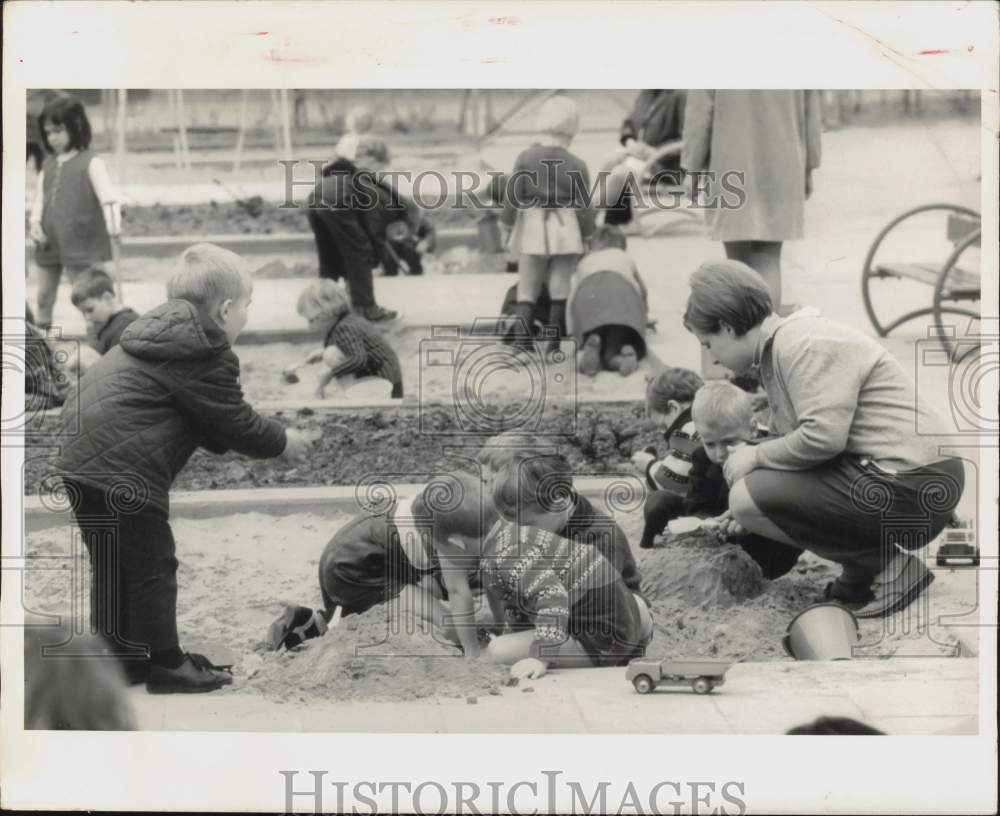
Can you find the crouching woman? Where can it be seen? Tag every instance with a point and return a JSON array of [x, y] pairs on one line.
[[847, 476]]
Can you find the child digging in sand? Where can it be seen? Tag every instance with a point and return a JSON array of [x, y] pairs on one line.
[[352, 347], [171, 386], [94, 295], [723, 417], [579, 609], [668, 403], [421, 549]]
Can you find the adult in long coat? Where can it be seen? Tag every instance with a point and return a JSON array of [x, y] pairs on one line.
[[772, 137]]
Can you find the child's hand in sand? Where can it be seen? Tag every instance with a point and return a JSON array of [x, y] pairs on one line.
[[296, 445], [530, 668], [315, 356]]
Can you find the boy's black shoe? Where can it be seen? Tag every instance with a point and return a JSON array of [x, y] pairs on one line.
[[378, 314], [188, 678]]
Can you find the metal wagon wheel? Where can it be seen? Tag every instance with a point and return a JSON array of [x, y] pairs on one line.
[[946, 289], [927, 274]]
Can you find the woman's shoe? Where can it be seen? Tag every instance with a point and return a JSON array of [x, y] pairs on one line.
[[590, 357], [189, 678]]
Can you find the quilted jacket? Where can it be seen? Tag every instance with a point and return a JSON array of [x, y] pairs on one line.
[[170, 386]]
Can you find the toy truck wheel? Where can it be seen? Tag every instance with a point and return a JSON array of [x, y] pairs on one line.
[[644, 684], [702, 685]]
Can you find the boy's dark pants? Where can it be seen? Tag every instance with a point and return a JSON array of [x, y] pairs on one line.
[[133, 577], [344, 251]]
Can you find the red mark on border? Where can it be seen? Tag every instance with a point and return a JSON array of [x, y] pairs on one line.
[[275, 56], [504, 20], [256, 33], [933, 52]]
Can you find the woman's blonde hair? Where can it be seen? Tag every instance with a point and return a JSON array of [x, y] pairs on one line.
[[323, 298], [559, 116], [207, 275]]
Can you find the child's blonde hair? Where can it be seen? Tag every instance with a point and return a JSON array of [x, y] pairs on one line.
[[207, 275], [720, 405], [323, 298], [500, 450], [559, 116]]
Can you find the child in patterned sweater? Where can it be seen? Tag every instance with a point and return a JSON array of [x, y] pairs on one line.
[[351, 345], [581, 612]]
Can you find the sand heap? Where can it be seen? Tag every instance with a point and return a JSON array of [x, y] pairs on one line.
[[701, 571], [709, 600], [362, 659]]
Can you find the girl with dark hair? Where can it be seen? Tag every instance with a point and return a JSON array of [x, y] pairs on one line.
[[75, 213]]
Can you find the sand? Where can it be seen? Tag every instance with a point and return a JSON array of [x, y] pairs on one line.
[[362, 659], [237, 571]]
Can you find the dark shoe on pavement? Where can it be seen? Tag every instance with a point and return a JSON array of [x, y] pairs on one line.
[[897, 586], [590, 357], [188, 678], [377, 314], [853, 596]]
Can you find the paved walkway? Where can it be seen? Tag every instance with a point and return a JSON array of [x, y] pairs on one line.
[[904, 697]]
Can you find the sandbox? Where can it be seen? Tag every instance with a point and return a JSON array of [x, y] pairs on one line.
[[237, 571]]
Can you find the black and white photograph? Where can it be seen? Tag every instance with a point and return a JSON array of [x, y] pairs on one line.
[[378, 431]]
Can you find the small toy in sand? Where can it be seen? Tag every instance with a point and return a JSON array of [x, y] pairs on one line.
[[646, 674]]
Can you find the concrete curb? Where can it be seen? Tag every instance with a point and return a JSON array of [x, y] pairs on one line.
[[156, 246], [626, 490]]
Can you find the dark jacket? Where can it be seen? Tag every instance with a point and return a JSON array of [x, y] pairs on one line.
[[110, 333], [358, 210], [170, 386]]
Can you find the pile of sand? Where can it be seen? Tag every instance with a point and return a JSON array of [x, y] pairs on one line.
[[361, 659], [701, 571], [711, 600]]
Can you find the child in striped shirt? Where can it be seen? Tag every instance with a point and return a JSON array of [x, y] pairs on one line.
[[668, 402], [580, 611], [361, 350]]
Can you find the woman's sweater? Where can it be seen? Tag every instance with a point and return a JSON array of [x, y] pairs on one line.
[[834, 390]]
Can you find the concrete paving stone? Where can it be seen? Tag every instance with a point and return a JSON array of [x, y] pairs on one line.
[[550, 709], [664, 711], [777, 712], [226, 712], [416, 717], [918, 696], [919, 726]]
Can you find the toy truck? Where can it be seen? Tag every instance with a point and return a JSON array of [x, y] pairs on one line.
[[958, 548], [702, 675]]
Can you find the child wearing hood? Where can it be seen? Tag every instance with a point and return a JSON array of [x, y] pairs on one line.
[[169, 387]]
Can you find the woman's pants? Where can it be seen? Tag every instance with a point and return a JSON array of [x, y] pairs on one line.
[[535, 271]]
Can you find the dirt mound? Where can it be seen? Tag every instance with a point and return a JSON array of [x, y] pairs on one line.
[[701, 571], [364, 659]]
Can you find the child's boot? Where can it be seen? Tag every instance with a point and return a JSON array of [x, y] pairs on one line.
[[519, 334], [557, 324], [590, 356]]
